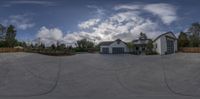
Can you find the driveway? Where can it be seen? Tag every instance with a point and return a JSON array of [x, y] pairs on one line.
[[96, 76]]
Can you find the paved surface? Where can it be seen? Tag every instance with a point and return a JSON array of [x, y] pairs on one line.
[[95, 76]]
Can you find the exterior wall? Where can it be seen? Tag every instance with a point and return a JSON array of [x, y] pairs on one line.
[[113, 45], [157, 46], [176, 46], [162, 44], [101, 48], [121, 44]]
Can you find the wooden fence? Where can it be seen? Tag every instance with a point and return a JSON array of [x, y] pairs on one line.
[[190, 49], [4, 50]]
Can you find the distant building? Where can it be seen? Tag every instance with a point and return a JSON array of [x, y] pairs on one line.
[[114, 47], [163, 44]]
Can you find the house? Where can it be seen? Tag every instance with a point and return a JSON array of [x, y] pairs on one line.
[[114, 47], [140, 44], [165, 43]]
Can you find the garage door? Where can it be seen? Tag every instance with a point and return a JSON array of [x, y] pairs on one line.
[[118, 50], [170, 46], [105, 50]]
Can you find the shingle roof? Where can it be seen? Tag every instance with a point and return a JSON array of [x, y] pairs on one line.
[[141, 41], [165, 34], [107, 43]]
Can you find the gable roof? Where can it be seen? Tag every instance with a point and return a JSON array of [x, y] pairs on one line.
[[163, 35], [141, 41], [107, 43]]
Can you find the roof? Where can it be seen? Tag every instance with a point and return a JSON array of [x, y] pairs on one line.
[[107, 43], [165, 34], [141, 41]]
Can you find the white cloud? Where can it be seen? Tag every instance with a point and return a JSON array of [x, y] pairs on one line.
[[87, 24], [22, 22], [50, 36], [166, 12], [99, 11], [129, 7], [123, 24], [33, 2]]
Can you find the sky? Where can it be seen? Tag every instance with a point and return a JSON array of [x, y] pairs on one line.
[[97, 20]]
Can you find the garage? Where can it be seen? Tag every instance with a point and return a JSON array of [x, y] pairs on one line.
[[105, 50], [118, 50]]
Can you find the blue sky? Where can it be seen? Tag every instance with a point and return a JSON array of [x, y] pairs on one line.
[[99, 20]]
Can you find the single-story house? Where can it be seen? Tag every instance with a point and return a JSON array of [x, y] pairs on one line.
[[114, 47], [163, 44]]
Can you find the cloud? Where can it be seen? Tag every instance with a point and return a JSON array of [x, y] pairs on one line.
[[99, 11], [87, 24], [49, 36], [166, 12], [129, 7], [126, 22], [33, 2], [22, 22]]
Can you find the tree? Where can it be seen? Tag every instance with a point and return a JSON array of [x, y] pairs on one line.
[[2, 32], [194, 29], [183, 40], [150, 46], [130, 46], [194, 41], [84, 43], [61, 46], [194, 35], [10, 36], [143, 36], [53, 46]]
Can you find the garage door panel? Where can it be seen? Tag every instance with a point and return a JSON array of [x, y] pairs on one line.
[[118, 50], [105, 50]]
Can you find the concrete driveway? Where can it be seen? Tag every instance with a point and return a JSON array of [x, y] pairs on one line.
[[95, 76]]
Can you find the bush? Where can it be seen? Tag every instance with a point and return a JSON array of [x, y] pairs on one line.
[[151, 53], [52, 52]]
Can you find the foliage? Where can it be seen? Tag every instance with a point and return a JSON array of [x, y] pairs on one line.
[[61, 46], [194, 41], [151, 53], [131, 46], [194, 35], [83, 45], [183, 40], [194, 29], [150, 45], [149, 50], [53, 46], [143, 36], [2, 32], [10, 36]]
